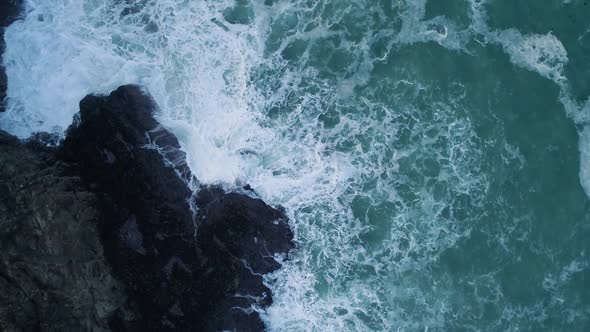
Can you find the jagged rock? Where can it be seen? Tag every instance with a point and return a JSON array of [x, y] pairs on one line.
[[116, 193], [182, 273], [53, 274], [240, 237], [9, 11], [146, 224]]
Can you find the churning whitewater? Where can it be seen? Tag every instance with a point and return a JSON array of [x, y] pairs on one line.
[[431, 155]]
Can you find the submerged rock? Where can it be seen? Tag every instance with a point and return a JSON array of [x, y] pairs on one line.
[[53, 273], [182, 273]]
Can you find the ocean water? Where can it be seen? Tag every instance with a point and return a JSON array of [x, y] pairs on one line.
[[433, 156]]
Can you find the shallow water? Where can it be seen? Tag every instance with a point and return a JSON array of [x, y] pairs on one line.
[[433, 155]]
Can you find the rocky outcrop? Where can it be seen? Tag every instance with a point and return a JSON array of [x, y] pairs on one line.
[[182, 272], [239, 236], [146, 223], [9, 11], [53, 273], [103, 232]]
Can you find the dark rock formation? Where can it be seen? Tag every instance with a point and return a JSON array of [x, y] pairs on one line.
[[181, 273], [239, 236], [147, 226], [53, 274], [99, 233], [9, 11]]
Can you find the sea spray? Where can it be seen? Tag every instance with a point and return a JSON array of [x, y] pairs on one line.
[[425, 162]]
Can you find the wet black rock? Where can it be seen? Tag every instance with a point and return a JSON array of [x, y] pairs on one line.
[[146, 224], [101, 233], [182, 272], [9, 12], [240, 237], [53, 273]]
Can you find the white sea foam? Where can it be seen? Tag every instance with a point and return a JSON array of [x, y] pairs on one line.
[[545, 55], [200, 69], [585, 159], [375, 192], [195, 67], [441, 30]]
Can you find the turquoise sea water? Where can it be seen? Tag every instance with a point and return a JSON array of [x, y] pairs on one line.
[[433, 155]]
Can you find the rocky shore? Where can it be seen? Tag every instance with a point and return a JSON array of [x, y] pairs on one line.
[[103, 232]]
